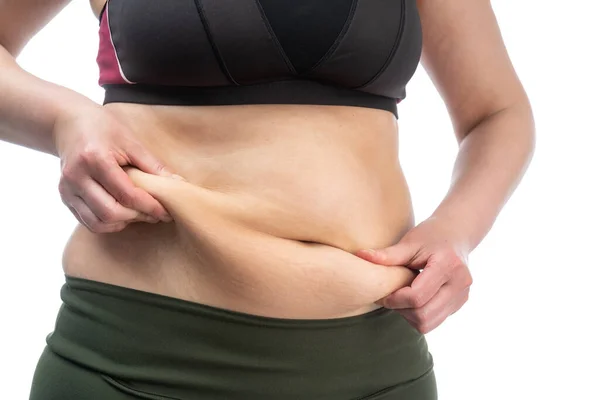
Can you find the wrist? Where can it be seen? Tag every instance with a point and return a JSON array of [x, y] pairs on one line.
[[65, 116], [456, 231]]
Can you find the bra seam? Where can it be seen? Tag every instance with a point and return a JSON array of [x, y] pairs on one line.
[[388, 61], [114, 46], [213, 44], [274, 39], [338, 40]]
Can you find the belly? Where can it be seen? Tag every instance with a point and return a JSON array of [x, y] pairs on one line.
[[277, 200]]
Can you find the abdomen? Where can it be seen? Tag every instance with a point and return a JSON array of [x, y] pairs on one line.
[[277, 201]]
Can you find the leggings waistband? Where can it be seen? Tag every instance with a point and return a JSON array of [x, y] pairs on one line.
[[175, 348]]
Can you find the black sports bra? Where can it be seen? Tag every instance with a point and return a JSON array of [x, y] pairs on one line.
[[224, 52]]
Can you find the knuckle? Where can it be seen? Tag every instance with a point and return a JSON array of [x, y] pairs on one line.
[[159, 167], [94, 226], [423, 328], [69, 174], [453, 260], [420, 317], [126, 197], [89, 154], [108, 214], [450, 259], [469, 280], [452, 266], [448, 274], [104, 161], [389, 302], [416, 300], [63, 189]]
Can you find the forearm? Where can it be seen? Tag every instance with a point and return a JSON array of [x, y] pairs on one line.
[[29, 106], [491, 161]]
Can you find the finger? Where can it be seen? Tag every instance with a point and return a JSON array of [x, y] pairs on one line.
[[430, 313], [116, 182], [89, 219], [421, 290], [117, 226], [141, 158], [104, 206], [170, 191], [76, 214], [67, 198], [427, 326], [447, 301], [403, 253], [460, 301]]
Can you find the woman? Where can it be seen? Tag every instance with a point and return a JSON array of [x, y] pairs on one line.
[[246, 231]]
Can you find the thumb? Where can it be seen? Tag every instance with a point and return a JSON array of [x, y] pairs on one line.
[[402, 253], [142, 159]]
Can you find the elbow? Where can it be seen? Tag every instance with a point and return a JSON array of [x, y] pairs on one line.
[[8, 58], [519, 128], [11, 47], [525, 118], [510, 126], [516, 123], [513, 120]]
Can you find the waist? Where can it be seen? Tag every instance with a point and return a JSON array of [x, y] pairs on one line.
[[277, 200], [144, 343]]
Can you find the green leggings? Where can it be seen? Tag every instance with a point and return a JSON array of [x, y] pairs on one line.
[[114, 343]]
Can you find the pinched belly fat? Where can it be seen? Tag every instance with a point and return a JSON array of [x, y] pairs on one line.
[[270, 217]]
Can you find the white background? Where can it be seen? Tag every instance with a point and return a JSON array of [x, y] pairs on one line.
[[530, 329]]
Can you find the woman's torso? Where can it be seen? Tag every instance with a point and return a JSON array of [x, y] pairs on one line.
[[277, 200]]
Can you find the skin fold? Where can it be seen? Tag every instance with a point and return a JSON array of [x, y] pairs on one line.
[[274, 203], [231, 254], [285, 211]]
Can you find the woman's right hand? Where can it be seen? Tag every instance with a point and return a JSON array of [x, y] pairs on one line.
[[93, 147]]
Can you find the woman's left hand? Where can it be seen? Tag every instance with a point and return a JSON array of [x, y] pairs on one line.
[[441, 288]]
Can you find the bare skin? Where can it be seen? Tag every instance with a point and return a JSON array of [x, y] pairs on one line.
[[253, 228], [279, 202]]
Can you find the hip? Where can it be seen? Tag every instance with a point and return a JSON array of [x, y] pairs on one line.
[[132, 344]]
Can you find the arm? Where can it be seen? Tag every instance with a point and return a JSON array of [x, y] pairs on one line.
[[29, 106], [465, 56], [92, 145]]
